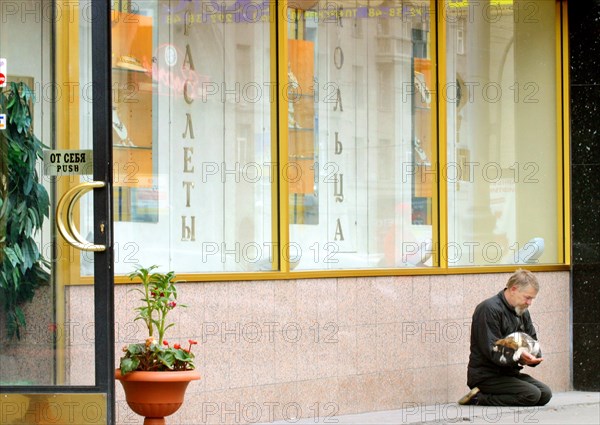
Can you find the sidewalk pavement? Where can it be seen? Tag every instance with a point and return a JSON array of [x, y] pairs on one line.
[[573, 407]]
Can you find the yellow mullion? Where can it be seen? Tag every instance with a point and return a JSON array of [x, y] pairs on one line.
[[440, 117], [559, 131], [563, 136], [280, 126], [67, 131], [67, 123], [274, 173], [324, 274]]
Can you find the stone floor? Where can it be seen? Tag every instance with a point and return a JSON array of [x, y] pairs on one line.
[[573, 407]]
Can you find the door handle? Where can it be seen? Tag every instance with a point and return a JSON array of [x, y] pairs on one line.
[[69, 232]]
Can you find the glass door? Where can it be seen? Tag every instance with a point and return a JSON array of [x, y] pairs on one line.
[[56, 255]]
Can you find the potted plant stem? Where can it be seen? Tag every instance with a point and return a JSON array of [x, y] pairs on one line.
[[154, 373]]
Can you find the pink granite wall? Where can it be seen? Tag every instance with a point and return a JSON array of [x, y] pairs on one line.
[[30, 360], [274, 350]]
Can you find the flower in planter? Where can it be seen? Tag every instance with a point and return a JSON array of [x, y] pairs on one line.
[[159, 297]]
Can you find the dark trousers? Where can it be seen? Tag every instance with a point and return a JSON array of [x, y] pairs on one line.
[[521, 390]]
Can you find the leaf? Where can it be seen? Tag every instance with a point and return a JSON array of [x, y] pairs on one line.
[[28, 186], [19, 254], [11, 102], [12, 256], [128, 365], [136, 349], [33, 218], [167, 358], [43, 201], [29, 253], [183, 356]]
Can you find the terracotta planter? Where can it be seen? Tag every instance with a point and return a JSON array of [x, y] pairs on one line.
[[155, 395]]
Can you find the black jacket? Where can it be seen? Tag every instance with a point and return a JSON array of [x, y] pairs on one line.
[[494, 319]]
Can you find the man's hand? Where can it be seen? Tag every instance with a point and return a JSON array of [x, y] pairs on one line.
[[529, 360]]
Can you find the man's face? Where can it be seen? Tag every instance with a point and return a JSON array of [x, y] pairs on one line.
[[522, 298]]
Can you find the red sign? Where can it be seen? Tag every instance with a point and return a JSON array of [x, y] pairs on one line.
[[2, 78]]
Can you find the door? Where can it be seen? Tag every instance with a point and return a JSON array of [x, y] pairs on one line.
[[56, 255]]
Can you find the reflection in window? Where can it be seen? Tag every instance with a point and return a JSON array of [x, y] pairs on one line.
[[502, 184], [208, 122], [361, 145]]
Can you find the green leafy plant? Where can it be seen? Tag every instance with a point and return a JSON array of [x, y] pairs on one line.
[[159, 297], [24, 203]]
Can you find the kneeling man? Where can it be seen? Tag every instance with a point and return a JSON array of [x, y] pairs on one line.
[[496, 379]]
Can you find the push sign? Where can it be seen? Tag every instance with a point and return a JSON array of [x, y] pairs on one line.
[[68, 162]]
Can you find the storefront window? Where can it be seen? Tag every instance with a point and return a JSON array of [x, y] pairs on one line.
[[193, 172], [360, 134], [502, 171], [202, 167]]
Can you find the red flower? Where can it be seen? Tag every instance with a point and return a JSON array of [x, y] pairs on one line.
[[192, 342], [165, 343], [172, 304], [177, 346]]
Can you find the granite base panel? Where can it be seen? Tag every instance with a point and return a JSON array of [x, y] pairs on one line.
[[281, 350]]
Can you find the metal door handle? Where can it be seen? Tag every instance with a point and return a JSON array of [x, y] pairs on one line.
[[70, 232]]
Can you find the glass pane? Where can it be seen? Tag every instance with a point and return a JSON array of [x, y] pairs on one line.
[[38, 269], [360, 133], [192, 135], [502, 133]]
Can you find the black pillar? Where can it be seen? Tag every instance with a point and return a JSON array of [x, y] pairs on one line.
[[584, 40]]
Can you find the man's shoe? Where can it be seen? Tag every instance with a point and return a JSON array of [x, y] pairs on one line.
[[470, 397]]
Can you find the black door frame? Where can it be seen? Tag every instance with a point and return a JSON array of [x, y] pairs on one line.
[[103, 261], [103, 164]]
